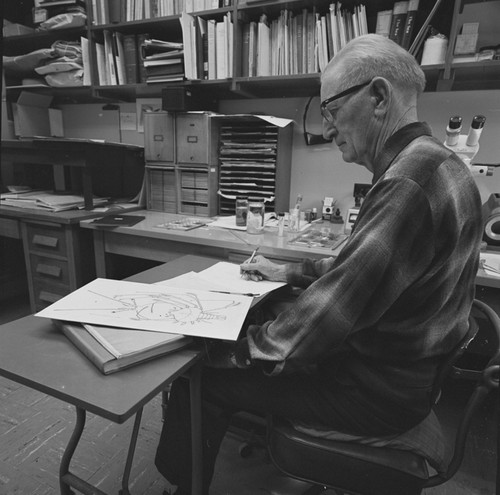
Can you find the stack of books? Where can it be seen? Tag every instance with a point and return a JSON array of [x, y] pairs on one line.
[[113, 349], [163, 61]]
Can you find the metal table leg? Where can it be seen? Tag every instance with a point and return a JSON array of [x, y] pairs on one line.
[[196, 443], [68, 480], [130, 454]]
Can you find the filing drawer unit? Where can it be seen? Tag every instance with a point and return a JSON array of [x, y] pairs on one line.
[[209, 153], [59, 259], [181, 157]]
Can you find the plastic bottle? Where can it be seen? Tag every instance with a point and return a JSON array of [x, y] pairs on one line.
[[281, 224]]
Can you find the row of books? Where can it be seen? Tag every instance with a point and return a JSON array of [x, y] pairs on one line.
[[208, 47], [298, 43], [129, 59], [114, 11], [398, 23]]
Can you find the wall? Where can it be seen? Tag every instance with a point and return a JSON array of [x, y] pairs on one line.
[[319, 171]]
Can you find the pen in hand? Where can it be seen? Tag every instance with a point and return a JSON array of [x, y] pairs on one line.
[[250, 261], [253, 254]]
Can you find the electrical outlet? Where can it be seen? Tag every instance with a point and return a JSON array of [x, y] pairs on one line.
[[361, 190]]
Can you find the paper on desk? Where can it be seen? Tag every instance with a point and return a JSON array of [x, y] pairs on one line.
[[120, 303], [227, 278], [190, 280], [228, 275]]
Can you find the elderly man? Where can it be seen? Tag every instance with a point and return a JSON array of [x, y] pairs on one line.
[[358, 349]]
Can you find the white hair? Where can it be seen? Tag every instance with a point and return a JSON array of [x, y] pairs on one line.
[[372, 55]]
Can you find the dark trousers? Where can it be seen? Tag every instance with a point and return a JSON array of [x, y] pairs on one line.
[[307, 397]]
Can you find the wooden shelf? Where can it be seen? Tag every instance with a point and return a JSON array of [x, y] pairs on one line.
[[445, 77]]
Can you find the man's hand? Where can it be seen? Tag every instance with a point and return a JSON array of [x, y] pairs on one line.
[[262, 269]]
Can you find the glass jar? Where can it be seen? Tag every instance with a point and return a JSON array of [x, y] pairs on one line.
[[241, 210], [255, 217]]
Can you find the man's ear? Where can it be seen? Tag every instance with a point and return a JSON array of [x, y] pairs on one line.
[[381, 92]]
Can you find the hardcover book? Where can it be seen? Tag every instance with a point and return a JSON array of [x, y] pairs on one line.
[[113, 349]]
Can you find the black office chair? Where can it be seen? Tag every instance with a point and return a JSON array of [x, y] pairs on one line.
[[392, 466]]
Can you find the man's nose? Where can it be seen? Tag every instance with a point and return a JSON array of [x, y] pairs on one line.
[[329, 130]]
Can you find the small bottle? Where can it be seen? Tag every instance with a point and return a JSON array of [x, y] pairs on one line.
[[241, 210], [281, 224], [453, 130], [476, 128]]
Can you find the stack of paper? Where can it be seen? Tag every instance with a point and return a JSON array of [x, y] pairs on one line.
[[47, 200]]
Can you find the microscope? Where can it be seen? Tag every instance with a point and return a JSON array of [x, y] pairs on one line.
[[466, 147]]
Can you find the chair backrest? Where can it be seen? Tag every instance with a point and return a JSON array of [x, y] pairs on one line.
[[486, 379]]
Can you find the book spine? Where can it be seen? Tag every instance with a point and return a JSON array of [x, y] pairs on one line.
[[131, 59], [399, 14], [411, 17], [114, 9], [383, 26]]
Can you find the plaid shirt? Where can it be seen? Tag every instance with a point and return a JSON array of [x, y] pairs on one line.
[[397, 298]]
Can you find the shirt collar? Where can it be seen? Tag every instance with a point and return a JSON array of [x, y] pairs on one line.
[[396, 143]]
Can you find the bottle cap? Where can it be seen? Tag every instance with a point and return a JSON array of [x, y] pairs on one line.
[[478, 121], [455, 122]]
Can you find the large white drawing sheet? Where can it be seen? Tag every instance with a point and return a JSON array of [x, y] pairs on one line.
[[228, 276], [159, 308]]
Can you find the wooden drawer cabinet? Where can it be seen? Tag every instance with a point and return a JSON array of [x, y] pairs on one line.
[[59, 258]]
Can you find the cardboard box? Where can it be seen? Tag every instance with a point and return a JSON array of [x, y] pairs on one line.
[[34, 117]]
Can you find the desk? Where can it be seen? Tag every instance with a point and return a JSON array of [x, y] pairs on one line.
[[146, 240], [58, 255], [34, 354], [75, 154]]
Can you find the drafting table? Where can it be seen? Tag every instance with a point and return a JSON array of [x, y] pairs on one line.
[[36, 355]]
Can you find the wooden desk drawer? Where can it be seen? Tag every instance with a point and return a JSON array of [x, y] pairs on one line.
[[46, 293], [50, 269], [46, 239]]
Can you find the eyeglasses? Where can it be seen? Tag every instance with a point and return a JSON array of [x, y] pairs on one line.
[[326, 113]]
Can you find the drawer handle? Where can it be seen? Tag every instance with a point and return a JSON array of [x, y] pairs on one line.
[[50, 270], [44, 240], [49, 297]]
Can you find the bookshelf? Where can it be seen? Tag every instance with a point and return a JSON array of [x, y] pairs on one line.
[[447, 76]]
